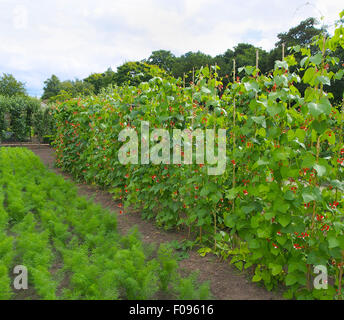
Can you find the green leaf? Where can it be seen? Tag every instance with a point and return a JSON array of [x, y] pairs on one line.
[[205, 71], [260, 120], [290, 135], [337, 184], [203, 251], [230, 220], [288, 294], [231, 194], [280, 205], [215, 197], [316, 59], [284, 219], [261, 132], [319, 126], [260, 162], [282, 240], [280, 155], [297, 48], [290, 279], [286, 172], [300, 134], [297, 266], [314, 109], [333, 242], [205, 90], [322, 107], [249, 69], [308, 161], [239, 265], [269, 215], [275, 268], [309, 75], [255, 221], [325, 105], [303, 61], [311, 194], [274, 132], [205, 191], [275, 109], [256, 278], [339, 75], [315, 257], [248, 209], [253, 244], [251, 85], [321, 170], [289, 195], [263, 233], [324, 80]]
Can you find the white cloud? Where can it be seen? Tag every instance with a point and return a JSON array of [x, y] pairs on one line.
[[73, 38], [20, 17]]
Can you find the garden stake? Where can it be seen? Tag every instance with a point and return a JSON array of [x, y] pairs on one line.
[[234, 111]]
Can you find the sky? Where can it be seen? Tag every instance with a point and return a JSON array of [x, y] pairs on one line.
[[74, 38]]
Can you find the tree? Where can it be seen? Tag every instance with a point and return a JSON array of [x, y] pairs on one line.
[[189, 61], [19, 111], [96, 79], [71, 89], [55, 90], [134, 73], [245, 54], [163, 59], [108, 77], [76, 87], [9, 86], [225, 62], [301, 35], [52, 87], [101, 80]]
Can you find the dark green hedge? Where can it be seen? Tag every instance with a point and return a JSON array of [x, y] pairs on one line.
[[21, 117]]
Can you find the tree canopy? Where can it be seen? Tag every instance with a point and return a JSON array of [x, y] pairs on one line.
[[9, 86], [136, 72], [101, 80], [301, 35], [52, 87], [163, 59]]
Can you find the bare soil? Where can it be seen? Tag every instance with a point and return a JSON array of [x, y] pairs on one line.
[[226, 282]]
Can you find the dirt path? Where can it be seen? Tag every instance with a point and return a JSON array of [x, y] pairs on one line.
[[226, 282]]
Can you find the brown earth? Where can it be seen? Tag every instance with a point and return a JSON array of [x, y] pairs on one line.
[[226, 282]]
